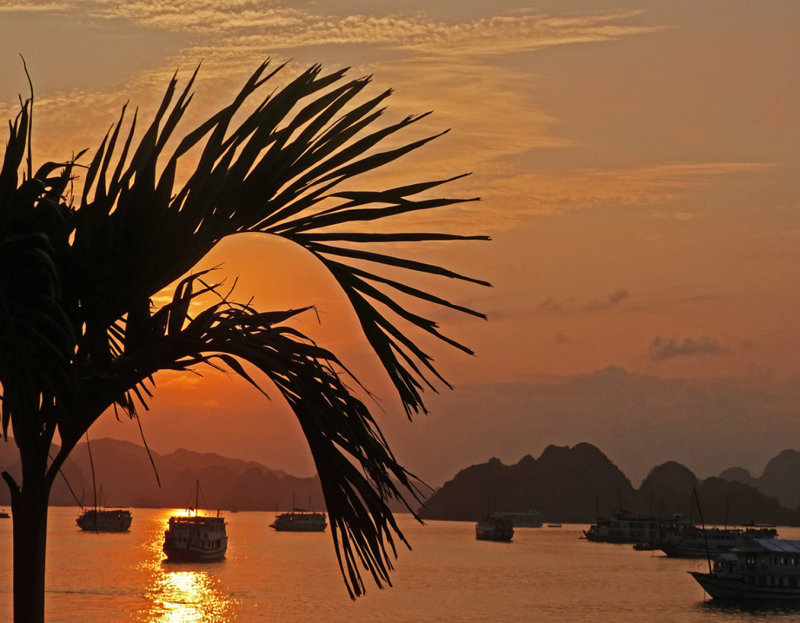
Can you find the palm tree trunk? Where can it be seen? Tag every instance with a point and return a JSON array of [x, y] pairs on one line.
[[29, 513]]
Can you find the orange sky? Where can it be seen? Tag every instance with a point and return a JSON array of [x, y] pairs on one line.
[[638, 167]]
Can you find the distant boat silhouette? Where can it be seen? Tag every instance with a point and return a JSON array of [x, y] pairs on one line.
[[104, 520], [195, 538], [494, 528], [521, 519], [299, 520], [99, 519]]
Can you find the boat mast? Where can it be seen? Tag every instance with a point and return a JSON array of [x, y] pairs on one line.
[[91, 465], [702, 523], [196, 495]]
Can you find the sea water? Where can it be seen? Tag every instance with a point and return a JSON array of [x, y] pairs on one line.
[[544, 574]]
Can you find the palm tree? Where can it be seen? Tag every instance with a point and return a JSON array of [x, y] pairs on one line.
[[79, 331]]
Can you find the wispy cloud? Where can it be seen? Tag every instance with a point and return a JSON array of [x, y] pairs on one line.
[[596, 188], [549, 306], [562, 308], [612, 300], [32, 7], [662, 348], [249, 23]]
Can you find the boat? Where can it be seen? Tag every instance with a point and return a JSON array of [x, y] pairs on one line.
[[691, 541], [761, 569], [494, 528], [625, 527], [554, 525], [195, 538], [299, 520], [522, 519], [4, 515], [99, 519], [104, 520]]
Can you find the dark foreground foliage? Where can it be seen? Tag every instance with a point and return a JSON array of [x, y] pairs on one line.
[[79, 331]]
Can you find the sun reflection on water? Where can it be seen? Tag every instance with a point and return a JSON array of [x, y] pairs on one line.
[[185, 593], [188, 597]]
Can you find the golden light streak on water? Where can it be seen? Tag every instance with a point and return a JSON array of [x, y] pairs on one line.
[[184, 592], [180, 596]]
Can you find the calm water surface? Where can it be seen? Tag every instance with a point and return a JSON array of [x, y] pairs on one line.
[[545, 574]]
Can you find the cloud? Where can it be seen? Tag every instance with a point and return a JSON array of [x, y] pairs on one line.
[[31, 7], [612, 300], [556, 308], [587, 189], [245, 23], [662, 348], [549, 306]]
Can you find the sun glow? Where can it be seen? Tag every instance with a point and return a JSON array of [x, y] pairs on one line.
[[186, 596]]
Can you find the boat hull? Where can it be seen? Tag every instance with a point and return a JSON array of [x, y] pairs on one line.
[[494, 530], [501, 538], [298, 528], [735, 588], [194, 555], [678, 551]]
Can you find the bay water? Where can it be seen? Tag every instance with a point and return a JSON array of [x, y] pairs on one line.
[[544, 574]]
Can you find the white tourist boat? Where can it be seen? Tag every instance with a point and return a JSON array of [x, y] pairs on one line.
[[691, 541], [625, 527], [761, 569], [195, 538], [104, 520]]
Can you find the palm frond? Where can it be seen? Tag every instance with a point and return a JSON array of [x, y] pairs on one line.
[[78, 331], [36, 336], [358, 472], [276, 172]]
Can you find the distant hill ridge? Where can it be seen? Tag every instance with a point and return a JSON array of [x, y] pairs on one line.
[[781, 478], [580, 483], [565, 483], [124, 472]]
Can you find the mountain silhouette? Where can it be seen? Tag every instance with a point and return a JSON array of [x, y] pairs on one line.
[[580, 483], [124, 473], [781, 478]]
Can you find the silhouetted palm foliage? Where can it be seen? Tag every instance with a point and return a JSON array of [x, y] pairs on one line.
[[78, 328]]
